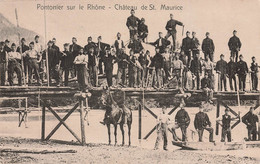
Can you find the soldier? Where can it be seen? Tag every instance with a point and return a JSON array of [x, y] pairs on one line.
[[221, 68], [119, 44], [202, 122], [6, 46], [177, 68], [161, 43], [196, 71], [209, 67], [122, 60], [208, 47], [53, 62], [74, 49], [171, 29], [92, 65], [254, 74], [3, 63], [158, 62], [250, 119], [101, 50], [21, 49], [167, 64], [182, 121], [234, 45], [231, 72], [142, 30], [90, 45], [66, 65], [81, 62], [206, 86], [162, 128], [242, 71], [37, 45], [55, 46], [34, 58], [109, 60], [195, 45], [144, 60], [131, 69], [186, 47], [14, 65], [135, 45], [132, 24]]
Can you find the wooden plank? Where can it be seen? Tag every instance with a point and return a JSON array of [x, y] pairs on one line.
[[82, 124], [43, 123], [150, 133], [151, 112], [140, 122]]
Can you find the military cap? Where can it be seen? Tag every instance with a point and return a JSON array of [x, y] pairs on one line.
[[193, 32], [37, 36], [226, 110], [13, 44], [50, 41], [235, 31], [187, 32], [142, 19], [66, 44], [132, 10], [7, 41], [32, 43], [207, 33], [53, 38], [99, 37], [74, 38], [253, 57], [221, 55], [22, 39], [89, 38], [240, 55]]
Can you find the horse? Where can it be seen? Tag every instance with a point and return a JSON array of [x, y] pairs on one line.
[[116, 114]]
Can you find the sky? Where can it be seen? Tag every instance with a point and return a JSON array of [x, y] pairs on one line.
[[219, 17]]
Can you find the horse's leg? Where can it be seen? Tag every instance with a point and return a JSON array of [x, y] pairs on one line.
[[123, 133], [115, 133], [129, 124], [109, 137]]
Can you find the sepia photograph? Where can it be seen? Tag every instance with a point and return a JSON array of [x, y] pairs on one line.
[[129, 82]]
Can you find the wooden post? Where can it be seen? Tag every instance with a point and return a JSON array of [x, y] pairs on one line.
[[43, 123], [140, 122], [217, 115], [82, 125]]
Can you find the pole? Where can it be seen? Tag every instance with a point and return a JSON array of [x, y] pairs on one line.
[[182, 30], [47, 58], [19, 38], [82, 125], [43, 123]]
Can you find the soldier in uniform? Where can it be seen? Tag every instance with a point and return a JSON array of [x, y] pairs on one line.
[[90, 45], [206, 86], [14, 65], [186, 47], [177, 69], [242, 71], [254, 74], [182, 121], [3, 63], [55, 46], [101, 50], [167, 64], [209, 67], [142, 30], [208, 47], [250, 119], [34, 58], [221, 68], [109, 61], [234, 45], [161, 43], [132, 24], [66, 64], [195, 45], [201, 123], [119, 44], [74, 49], [171, 29], [196, 71], [135, 45], [158, 62], [144, 60], [81, 62], [122, 60], [92, 65], [21, 49], [231, 72], [6, 46]]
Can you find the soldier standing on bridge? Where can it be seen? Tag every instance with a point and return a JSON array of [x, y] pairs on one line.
[[22, 49], [161, 43], [142, 30], [206, 86], [242, 71], [196, 71], [221, 68], [14, 65], [209, 67], [122, 60], [66, 65], [3, 63], [254, 74], [158, 62], [250, 119], [195, 45], [109, 61], [177, 70], [201, 123], [171, 30], [132, 24], [101, 52], [186, 47], [208, 47], [234, 45], [231, 72], [74, 49]]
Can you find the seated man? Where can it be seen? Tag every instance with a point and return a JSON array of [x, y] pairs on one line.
[[182, 120], [250, 119], [206, 86], [202, 122]]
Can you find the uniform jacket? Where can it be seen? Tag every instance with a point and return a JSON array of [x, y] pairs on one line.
[[182, 117], [164, 44], [116, 44], [102, 49], [201, 120], [24, 48], [196, 66], [250, 119], [221, 66], [3, 55], [74, 48], [234, 43], [108, 62], [122, 64], [231, 68], [88, 46], [242, 68], [195, 44], [53, 56], [132, 21], [67, 61], [157, 61], [172, 24], [208, 45], [254, 68], [186, 44], [206, 83], [226, 120], [7, 49], [92, 59], [143, 60], [142, 28], [136, 46]]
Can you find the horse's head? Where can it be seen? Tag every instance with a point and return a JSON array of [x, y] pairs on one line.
[[105, 96]]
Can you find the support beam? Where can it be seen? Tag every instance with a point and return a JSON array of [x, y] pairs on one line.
[[82, 125], [217, 115], [154, 128], [43, 123], [140, 122]]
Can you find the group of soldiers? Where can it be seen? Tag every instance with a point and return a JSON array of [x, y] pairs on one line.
[[138, 68], [201, 123]]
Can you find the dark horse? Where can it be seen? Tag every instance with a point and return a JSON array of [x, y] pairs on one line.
[[116, 114]]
